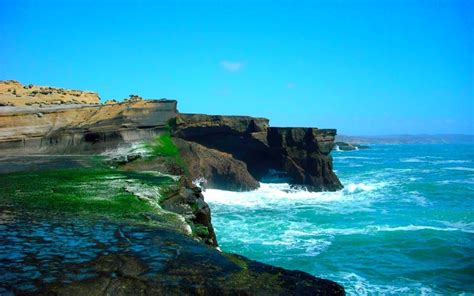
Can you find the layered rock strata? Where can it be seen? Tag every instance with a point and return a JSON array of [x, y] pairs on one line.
[[79, 129]]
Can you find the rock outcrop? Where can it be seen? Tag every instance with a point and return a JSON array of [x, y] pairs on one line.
[[343, 146], [301, 153]]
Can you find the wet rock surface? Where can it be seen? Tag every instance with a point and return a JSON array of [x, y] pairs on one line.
[[55, 254]]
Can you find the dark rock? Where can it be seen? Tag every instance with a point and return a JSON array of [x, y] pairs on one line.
[[196, 271], [303, 153], [343, 146], [219, 169], [188, 201]]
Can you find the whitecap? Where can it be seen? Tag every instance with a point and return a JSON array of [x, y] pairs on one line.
[[451, 161], [278, 194], [357, 285], [413, 159], [461, 225], [354, 157], [415, 228], [460, 169], [370, 229]]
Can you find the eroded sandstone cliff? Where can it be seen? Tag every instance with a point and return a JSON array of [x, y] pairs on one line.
[[229, 152]]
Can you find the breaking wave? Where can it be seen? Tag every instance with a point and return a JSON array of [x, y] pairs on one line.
[[271, 194]]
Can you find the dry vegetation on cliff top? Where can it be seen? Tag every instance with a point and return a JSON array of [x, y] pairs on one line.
[[13, 93]]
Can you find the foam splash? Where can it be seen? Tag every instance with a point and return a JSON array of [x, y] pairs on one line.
[[274, 194], [358, 285]]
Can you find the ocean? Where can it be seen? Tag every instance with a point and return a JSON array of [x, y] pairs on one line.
[[403, 224]]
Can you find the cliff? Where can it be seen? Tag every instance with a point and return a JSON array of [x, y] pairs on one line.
[[229, 152], [140, 143], [81, 129], [250, 149]]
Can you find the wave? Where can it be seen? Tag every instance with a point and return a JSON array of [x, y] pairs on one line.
[[463, 226], [451, 161], [412, 159], [428, 159], [465, 169], [354, 157], [357, 285], [373, 229], [272, 194], [418, 228]]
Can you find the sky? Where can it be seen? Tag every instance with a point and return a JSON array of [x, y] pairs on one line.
[[364, 67]]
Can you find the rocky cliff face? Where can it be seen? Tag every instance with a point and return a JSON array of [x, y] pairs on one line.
[[81, 128], [229, 152], [250, 150]]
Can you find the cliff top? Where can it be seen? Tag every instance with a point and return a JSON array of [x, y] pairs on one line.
[[13, 93]]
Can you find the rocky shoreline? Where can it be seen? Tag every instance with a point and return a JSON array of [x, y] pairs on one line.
[[138, 139]]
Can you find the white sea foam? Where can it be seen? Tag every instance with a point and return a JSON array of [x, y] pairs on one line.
[[462, 226], [414, 228], [460, 169], [357, 285], [268, 195], [273, 194], [354, 157], [373, 229], [412, 159], [429, 159], [451, 161]]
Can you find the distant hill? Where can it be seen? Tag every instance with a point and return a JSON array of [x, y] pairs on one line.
[[407, 139]]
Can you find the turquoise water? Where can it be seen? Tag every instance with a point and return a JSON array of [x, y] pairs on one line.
[[404, 223]]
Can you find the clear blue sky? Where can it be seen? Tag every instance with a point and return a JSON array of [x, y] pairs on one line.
[[363, 67]]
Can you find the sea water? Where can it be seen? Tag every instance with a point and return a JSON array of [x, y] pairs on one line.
[[403, 224]]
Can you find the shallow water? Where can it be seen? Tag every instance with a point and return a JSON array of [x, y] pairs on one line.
[[403, 224]]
